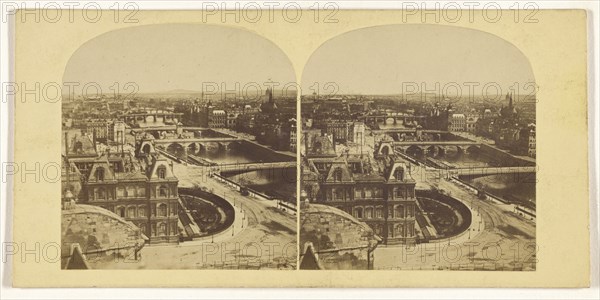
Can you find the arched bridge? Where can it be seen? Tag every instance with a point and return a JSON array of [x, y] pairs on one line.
[[171, 128], [200, 132], [431, 148], [189, 145], [187, 142], [194, 145], [391, 118], [154, 115]]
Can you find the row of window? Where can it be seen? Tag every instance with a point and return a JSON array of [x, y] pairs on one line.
[[103, 193], [338, 194], [370, 212], [367, 193], [131, 191], [139, 211]]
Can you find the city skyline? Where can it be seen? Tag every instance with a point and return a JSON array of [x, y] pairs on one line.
[[183, 167]]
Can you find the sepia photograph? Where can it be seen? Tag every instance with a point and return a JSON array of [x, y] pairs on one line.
[[418, 152], [331, 148], [179, 151]]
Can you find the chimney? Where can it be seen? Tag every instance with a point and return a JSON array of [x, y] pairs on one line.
[[305, 143], [305, 204], [94, 138], [66, 143], [120, 142]]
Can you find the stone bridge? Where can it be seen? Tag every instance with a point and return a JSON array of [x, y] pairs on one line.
[[391, 118], [413, 134], [158, 131], [170, 128], [154, 115], [191, 145], [196, 144], [431, 148]]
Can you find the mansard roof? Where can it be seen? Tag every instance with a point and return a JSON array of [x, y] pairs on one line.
[[390, 172], [390, 164], [101, 163], [339, 165], [152, 171], [380, 169]]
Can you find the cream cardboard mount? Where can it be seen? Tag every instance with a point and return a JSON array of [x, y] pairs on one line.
[[186, 161]]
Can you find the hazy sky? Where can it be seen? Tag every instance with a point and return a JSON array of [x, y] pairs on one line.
[[377, 60], [178, 56]]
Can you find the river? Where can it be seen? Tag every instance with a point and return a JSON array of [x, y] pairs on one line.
[[279, 183], [516, 188]]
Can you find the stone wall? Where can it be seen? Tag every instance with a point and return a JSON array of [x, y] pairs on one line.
[[101, 234], [341, 241]]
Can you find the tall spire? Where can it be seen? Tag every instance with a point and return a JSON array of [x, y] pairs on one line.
[[269, 95]]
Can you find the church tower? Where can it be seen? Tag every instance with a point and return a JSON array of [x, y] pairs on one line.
[[269, 94], [269, 106], [509, 98]]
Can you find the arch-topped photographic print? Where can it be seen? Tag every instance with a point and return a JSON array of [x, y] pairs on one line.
[[189, 129], [435, 126], [308, 145]]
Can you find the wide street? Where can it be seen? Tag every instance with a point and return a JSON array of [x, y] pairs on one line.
[[268, 239], [502, 240]]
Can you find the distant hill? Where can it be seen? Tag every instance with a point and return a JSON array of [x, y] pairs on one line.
[[192, 94], [178, 93], [421, 96], [182, 93]]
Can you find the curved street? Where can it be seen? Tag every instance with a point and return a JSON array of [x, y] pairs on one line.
[[503, 240], [266, 240]]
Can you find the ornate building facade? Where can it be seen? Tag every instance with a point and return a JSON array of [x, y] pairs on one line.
[[148, 199], [378, 191], [142, 190]]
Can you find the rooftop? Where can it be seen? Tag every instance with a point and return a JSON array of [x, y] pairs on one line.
[[97, 230], [331, 229]]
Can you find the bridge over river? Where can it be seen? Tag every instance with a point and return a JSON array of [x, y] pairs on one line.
[[247, 167], [188, 141], [484, 171], [423, 147]]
